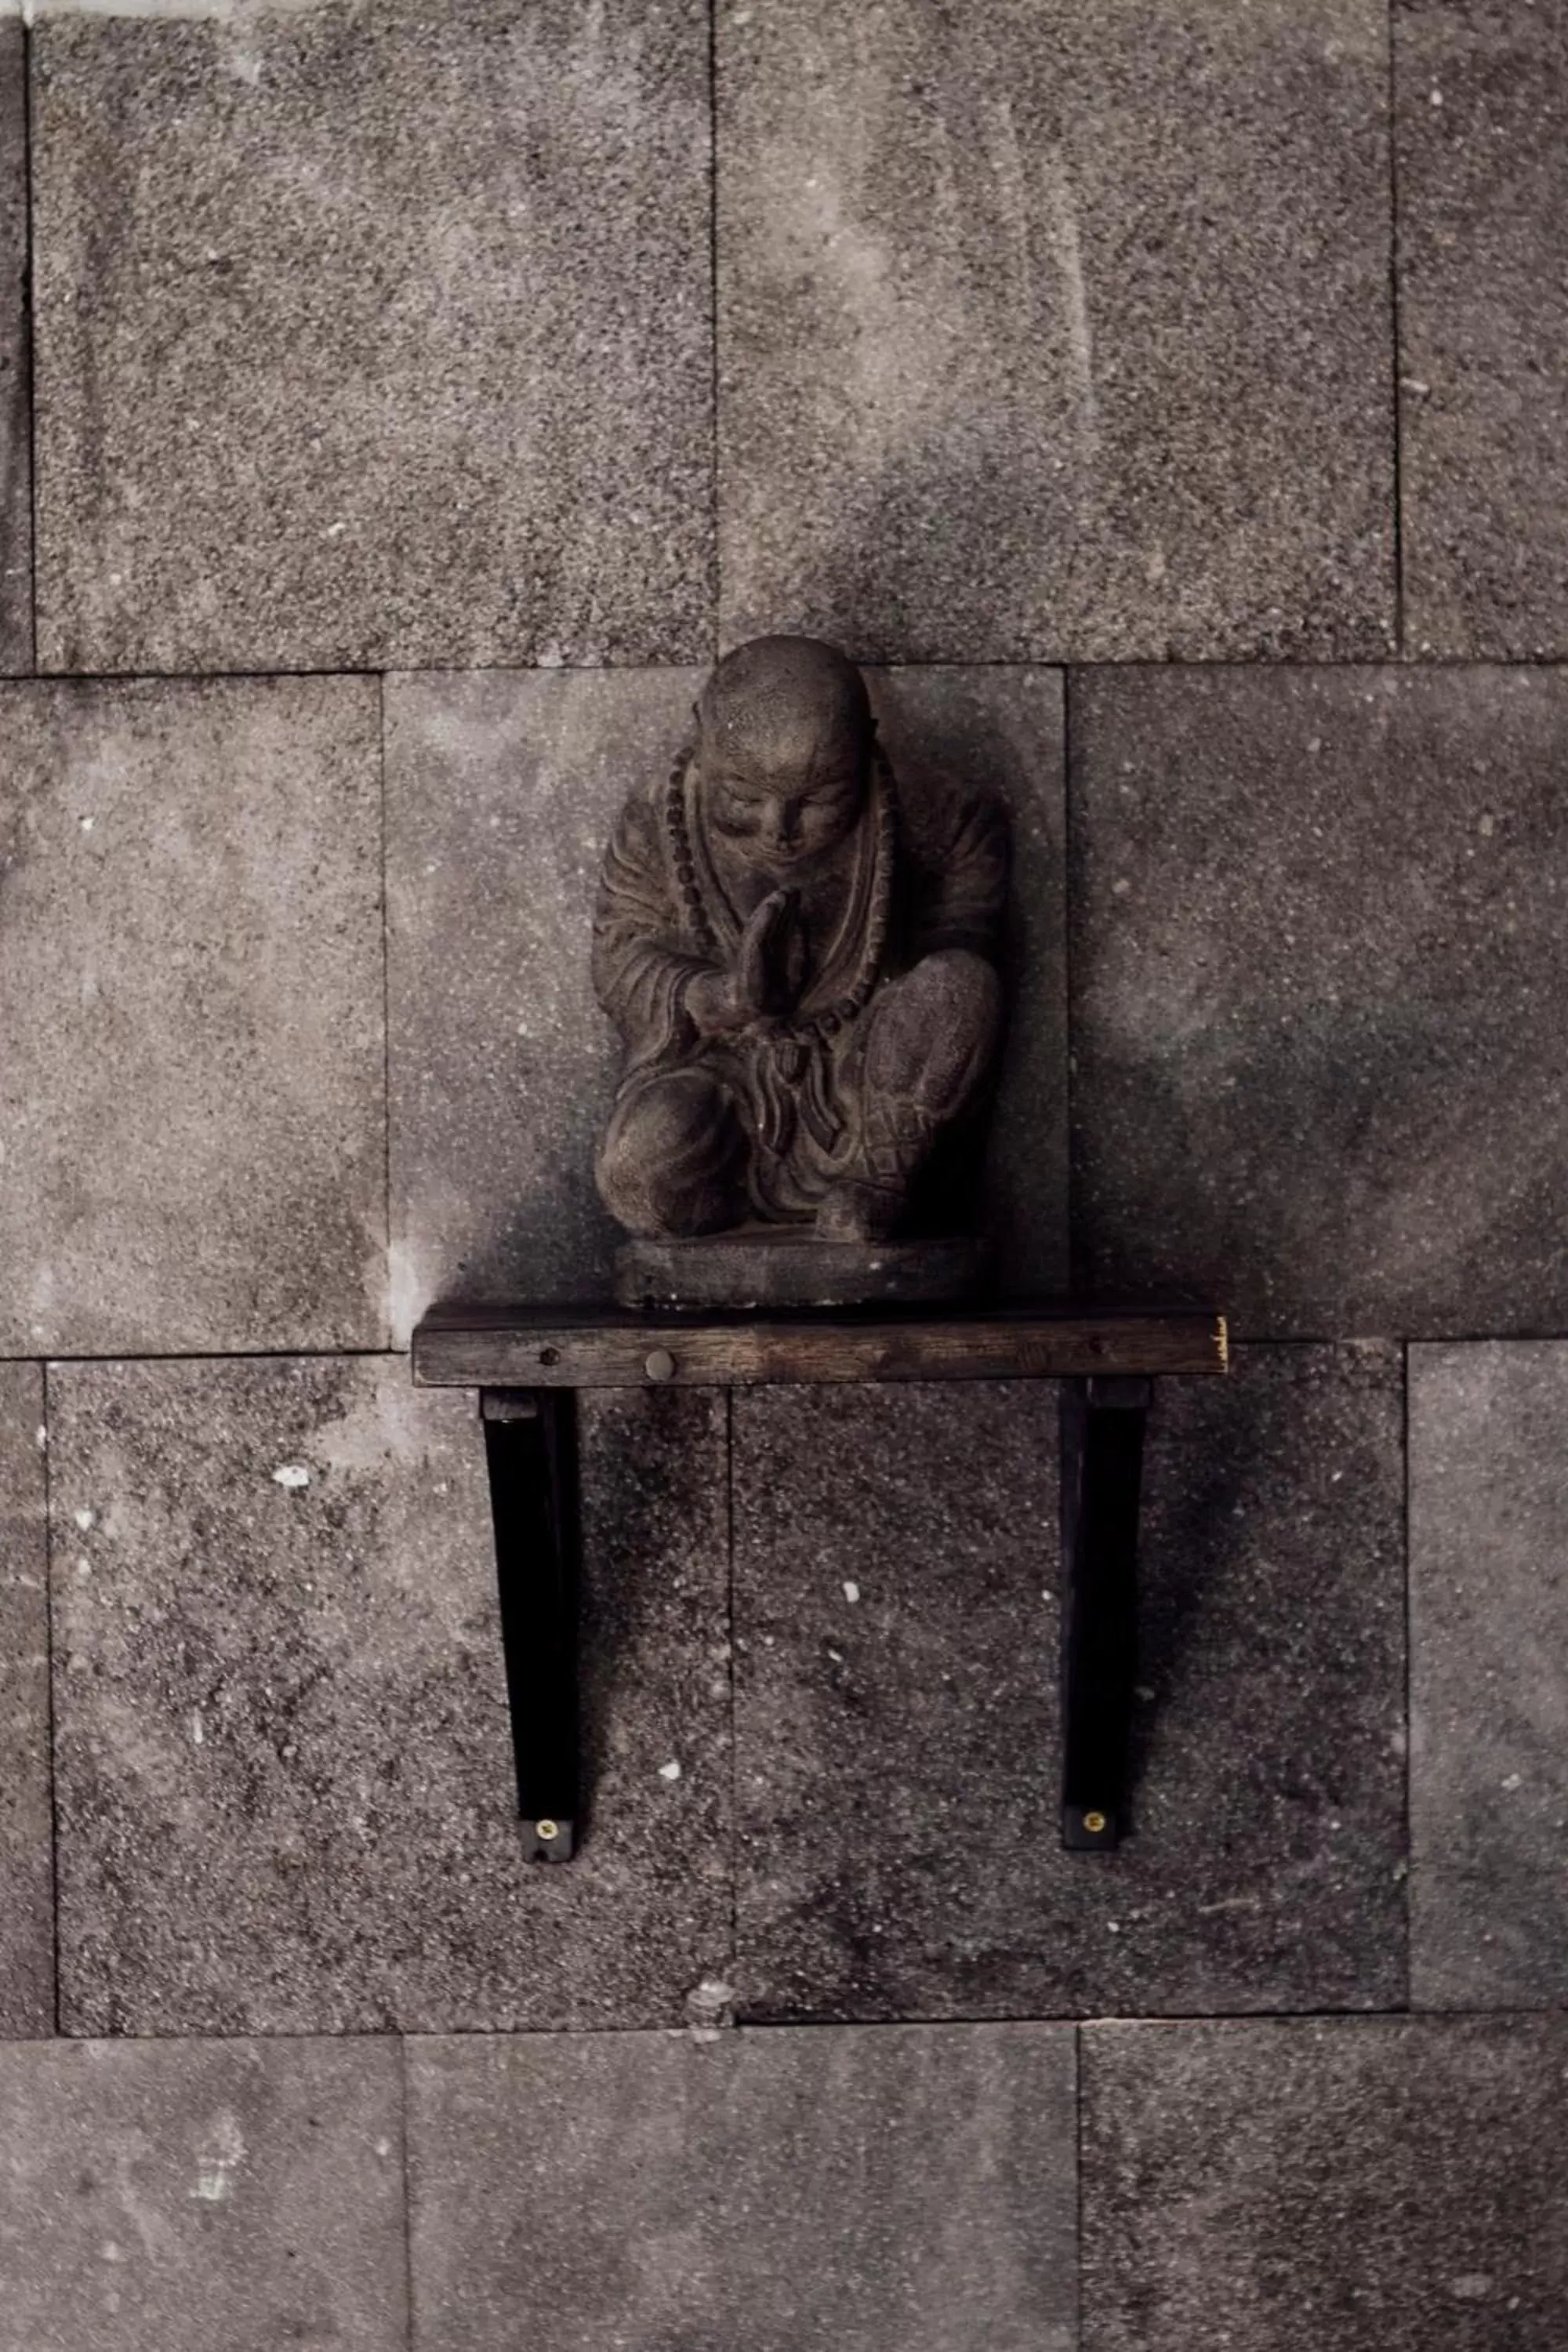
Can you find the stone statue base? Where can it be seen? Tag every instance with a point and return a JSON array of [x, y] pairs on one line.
[[784, 1266]]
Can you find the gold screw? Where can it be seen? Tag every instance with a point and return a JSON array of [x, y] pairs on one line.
[[548, 1830], [1094, 1823]]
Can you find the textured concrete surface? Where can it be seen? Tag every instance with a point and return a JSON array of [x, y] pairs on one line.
[[1320, 939], [173, 2197], [897, 1726], [1489, 1692], [1482, 164], [27, 1826], [1057, 330], [891, 2191], [16, 407], [286, 1790], [1378, 2185], [372, 334], [191, 1027], [1003, 728], [501, 792]]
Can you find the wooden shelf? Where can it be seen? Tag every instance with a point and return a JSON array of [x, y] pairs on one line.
[[606, 1347]]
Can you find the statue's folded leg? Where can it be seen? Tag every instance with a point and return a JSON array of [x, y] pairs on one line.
[[673, 1162], [929, 1042], [930, 1036]]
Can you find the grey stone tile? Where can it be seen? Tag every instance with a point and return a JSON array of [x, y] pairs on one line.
[[1053, 331], [374, 335], [27, 1828], [898, 1758], [1003, 728], [175, 2196], [1375, 2184], [1319, 948], [882, 2190], [285, 1788], [501, 792], [1489, 1675], [1482, 177], [192, 1085], [15, 413]]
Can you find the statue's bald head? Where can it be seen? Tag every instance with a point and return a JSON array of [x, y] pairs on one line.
[[786, 706], [784, 749]]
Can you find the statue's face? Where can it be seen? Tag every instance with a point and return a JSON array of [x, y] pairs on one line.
[[784, 815]]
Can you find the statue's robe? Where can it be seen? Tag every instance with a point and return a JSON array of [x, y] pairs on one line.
[[674, 895]]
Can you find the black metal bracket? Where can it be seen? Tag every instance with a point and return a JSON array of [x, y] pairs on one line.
[[1102, 1425], [1105, 1359], [531, 1450]]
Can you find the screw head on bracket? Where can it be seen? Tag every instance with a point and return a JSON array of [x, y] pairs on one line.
[[549, 1840]]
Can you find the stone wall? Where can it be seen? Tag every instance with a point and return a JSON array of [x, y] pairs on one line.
[[400, 404]]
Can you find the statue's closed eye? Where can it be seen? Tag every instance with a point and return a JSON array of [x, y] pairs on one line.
[[743, 792]]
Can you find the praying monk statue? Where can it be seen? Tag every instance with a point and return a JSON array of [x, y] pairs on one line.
[[806, 984]]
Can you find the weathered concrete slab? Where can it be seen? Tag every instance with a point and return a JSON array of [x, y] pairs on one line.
[[175, 2196], [897, 1746], [901, 2189], [371, 335], [27, 1827], [1489, 1675], [502, 795], [16, 395], [1483, 159], [192, 1088], [286, 1792], [1057, 330], [1319, 951], [1378, 2184]]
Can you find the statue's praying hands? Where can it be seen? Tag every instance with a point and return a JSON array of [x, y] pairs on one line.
[[808, 999], [764, 981]]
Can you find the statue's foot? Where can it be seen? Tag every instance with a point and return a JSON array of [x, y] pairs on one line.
[[855, 1212]]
